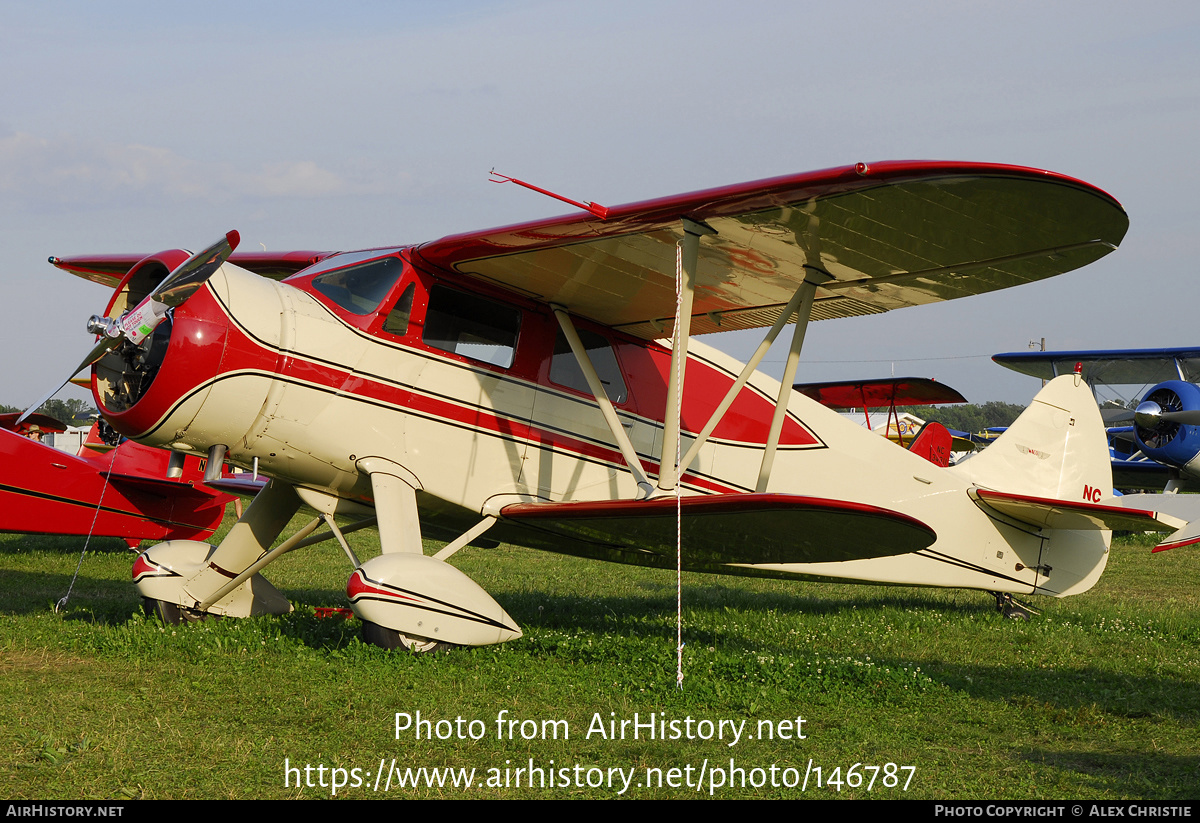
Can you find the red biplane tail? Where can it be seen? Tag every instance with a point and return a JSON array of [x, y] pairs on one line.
[[934, 443]]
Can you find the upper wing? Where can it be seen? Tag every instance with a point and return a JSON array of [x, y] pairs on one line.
[[890, 234], [110, 269], [895, 391], [1116, 367], [45, 422]]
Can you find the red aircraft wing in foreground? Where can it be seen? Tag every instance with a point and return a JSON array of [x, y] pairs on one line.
[[120, 491]]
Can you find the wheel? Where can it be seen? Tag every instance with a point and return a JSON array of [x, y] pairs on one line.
[[172, 614], [1011, 609], [391, 639]]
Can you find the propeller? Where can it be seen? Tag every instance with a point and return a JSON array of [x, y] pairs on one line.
[[136, 325], [1149, 414]]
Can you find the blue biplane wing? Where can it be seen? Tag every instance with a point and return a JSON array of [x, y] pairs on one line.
[[1116, 367]]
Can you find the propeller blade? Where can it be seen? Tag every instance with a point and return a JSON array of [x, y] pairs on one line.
[[1188, 417], [138, 324], [190, 275], [102, 348], [1112, 416]]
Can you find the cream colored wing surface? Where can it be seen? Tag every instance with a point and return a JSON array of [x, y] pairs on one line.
[[890, 235]]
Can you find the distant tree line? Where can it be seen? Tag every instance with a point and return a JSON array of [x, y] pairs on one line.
[[969, 417]]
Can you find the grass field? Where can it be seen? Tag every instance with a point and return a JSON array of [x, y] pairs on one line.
[[902, 692]]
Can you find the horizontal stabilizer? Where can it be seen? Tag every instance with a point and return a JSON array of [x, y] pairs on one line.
[[242, 485], [1047, 513], [1189, 535], [1185, 506], [720, 529]]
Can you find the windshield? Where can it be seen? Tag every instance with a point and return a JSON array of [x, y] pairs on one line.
[[360, 289]]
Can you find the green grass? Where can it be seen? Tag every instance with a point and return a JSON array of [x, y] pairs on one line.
[[1099, 697]]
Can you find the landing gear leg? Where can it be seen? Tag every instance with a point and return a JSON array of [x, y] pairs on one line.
[[187, 576], [1010, 608]]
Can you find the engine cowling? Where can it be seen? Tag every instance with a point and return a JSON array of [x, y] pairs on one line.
[[1171, 442], [124, 375]]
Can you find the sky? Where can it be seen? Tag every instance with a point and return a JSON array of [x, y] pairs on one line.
[[137, 126]]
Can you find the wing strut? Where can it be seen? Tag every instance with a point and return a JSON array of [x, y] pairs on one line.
[[690, 249], [752, 364], [606, 406], [466, 537], [807, 292]]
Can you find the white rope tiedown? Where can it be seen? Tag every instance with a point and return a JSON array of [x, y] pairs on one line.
[[63, 602], [679, 370]]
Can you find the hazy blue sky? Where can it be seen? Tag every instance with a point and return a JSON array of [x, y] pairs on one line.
[[130, 126]]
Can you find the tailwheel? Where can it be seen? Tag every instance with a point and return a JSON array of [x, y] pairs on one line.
[[391, 639], [171, 614], [1012, 609]]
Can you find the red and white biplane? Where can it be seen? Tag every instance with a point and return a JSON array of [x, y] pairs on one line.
[[931, 439], [530, 384], [123, 490]]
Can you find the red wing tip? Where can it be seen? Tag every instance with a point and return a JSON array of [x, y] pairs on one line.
[[233, 238], [1179, 544]]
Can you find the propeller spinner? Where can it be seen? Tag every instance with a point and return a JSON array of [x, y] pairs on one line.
[[1149, 414], [138, 324], [1162, 413]]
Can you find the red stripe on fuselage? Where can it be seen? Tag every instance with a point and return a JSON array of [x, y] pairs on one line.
[[196, 320]]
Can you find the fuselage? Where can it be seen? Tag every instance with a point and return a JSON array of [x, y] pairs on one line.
[[474, 392]]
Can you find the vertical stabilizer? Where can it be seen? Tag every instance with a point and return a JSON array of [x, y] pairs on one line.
[[1057, 448]]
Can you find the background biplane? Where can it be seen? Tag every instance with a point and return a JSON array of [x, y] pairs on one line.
[[539, 384], [112, 490], [931, 439], [1161, 449]]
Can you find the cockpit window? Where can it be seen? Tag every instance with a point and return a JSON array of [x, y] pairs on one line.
[[565, 371], [343, 259], [396, 321], [360, 289], [472, 326]]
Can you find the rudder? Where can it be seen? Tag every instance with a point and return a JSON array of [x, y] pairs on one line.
[[1057, 448]]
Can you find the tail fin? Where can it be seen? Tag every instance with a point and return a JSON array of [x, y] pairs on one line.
[[933, 442], [1057, 448]]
